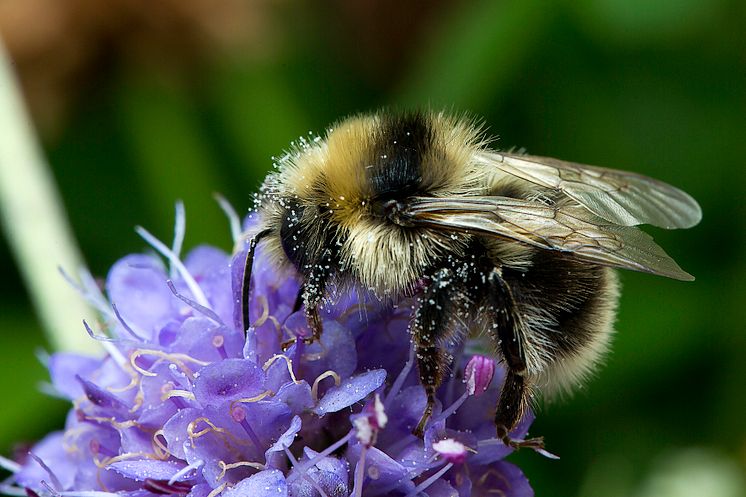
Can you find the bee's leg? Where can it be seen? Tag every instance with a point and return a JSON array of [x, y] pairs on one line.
[[311, 294], [298, 300], [429, 327], [314, 290], [309, 297], [314, 323], [516, 391], [246, 280]]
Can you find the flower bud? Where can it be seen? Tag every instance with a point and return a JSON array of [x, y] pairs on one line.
[[478, 374]]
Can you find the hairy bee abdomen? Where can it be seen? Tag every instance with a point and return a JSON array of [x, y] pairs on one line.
[[567, 310]]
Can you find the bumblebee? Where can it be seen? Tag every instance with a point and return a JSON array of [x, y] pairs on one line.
[[418, 203]]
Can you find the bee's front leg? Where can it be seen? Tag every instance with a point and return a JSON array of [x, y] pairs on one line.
[[312, 292], [429, 328]]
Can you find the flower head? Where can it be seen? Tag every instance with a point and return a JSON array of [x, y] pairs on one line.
[[186, 403]]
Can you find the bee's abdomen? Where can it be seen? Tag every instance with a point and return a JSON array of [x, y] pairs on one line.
[[568, 309]]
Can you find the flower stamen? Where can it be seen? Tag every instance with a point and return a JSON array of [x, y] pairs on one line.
[[287, 360], [130, 455], [225, 467], [48, 470], [178, 393], [496, 474], [357, 490], [238, 413], [199, 296], [262, 300], [218, 341], [206, 311], [176, 358], [432, 479], [233, 221], [401, 378], [159, 447], [127, 328], [216, 491], [210, 427], [256, 398], [224, 434], [322, 376], [119, 425], [179, 232]]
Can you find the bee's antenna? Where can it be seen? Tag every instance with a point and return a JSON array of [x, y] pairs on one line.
[[246, 285]]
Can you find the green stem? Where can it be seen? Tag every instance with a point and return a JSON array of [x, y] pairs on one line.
[[35, 224]]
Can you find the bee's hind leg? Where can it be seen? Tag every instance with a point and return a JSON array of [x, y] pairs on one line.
[[430, 327], [516, 391]]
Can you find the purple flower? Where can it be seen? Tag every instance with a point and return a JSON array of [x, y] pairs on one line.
[[185, 403]]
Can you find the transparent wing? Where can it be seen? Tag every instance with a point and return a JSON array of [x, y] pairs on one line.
[[621, 197], [569, 228]]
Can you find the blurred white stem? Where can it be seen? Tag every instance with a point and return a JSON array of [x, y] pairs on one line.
[[35, 224]]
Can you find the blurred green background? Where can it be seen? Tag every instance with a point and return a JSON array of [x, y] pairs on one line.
[[140, 103]]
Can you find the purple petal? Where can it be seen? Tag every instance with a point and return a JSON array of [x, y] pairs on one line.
[[137, 285], [268, 421], [175, 431], [441, 488], [205, 259], [350, 391], [65, 366], [228, 380], [209, 267], [200, 490], [330, 474], [336, 352], [381, 336], [134, 441], [167, 335], [51, 451], [404, 411], [269, 483], [101, 398], [389, 474], [297, 396], [202, 338], [147, 468], [285, 440], [501, 476]]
